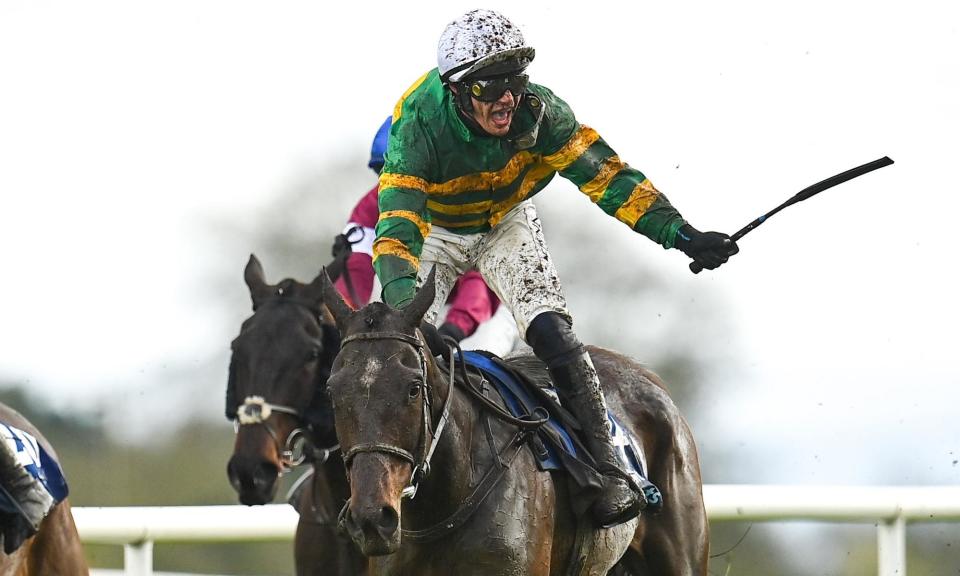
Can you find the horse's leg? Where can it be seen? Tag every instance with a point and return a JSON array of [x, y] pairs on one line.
[[675, 541], [672, 542], [56, 548], [319, 549]]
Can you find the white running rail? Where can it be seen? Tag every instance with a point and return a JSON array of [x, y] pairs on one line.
[[891, 507]]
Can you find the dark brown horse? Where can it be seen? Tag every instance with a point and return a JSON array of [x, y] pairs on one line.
[[439, 487], [55, 548], [277, 393]]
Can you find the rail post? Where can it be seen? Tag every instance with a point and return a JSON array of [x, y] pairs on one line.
[[138, 558], [892, 546]]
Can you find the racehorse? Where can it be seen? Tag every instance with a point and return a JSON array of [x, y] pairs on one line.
[[439, 487], [276, 392], [55, 548]]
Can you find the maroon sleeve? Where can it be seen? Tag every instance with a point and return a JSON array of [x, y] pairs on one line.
[[360, 268], [471, 303], [366, 212]]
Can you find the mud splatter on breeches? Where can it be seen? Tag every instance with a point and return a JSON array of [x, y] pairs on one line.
[[512, 258]]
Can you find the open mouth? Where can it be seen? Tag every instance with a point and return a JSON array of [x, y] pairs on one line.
[[501, 118]]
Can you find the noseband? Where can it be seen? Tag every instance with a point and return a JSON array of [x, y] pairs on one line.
[[293, 452], [421, 464]]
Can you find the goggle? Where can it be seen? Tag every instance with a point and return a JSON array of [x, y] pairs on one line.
[[491, 89]]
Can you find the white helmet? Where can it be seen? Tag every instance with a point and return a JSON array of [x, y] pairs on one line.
[[478, 39]]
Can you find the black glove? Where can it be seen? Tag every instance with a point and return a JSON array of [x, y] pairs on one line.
[[434, 340], [451, 330], [708, 249]]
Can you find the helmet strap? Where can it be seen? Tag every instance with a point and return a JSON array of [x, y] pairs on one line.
[[529, 138]]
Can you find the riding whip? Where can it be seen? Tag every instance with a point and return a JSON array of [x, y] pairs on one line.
[[807, 192]]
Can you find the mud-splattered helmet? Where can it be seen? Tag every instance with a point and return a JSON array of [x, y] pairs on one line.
[[484, 43]]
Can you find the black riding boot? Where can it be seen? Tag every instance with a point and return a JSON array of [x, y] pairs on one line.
[[580, 392], [579, 388]]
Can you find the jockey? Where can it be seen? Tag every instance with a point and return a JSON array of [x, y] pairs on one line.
[[470, 303], [472, 141]]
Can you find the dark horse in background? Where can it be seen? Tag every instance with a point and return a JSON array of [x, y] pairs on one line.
[[420, 452], [277, 393], [55, 548]]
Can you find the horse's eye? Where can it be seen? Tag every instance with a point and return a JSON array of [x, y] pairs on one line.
[[414, 390], [314, 355]]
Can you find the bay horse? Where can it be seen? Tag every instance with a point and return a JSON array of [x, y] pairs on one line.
[[55, 547], [421, 452], [276, 392]]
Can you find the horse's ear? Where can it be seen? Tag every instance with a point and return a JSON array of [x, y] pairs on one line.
[[314, 290], [331, 297], [414, 312], [253, 276]]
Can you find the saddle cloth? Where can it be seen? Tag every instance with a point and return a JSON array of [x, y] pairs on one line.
[[23, 450], [521, 402]]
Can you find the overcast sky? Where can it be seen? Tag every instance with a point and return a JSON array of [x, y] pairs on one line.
[[125, 126]]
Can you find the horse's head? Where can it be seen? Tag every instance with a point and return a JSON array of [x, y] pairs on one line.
[[276, 389], [381, 390]]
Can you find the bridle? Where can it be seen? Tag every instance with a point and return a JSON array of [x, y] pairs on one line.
[[420, 462], [294, 450], [298, 445]]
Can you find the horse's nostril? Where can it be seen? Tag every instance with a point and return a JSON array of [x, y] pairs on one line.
[[265, 475], [389, 520]]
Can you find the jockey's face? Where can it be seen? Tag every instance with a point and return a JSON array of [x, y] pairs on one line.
[[495, 117]]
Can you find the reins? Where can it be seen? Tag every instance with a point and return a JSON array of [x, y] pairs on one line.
[[533, 422]]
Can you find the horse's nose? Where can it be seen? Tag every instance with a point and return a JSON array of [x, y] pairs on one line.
[[374, 528], [386, 521], [254, 479], [378, 521]]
